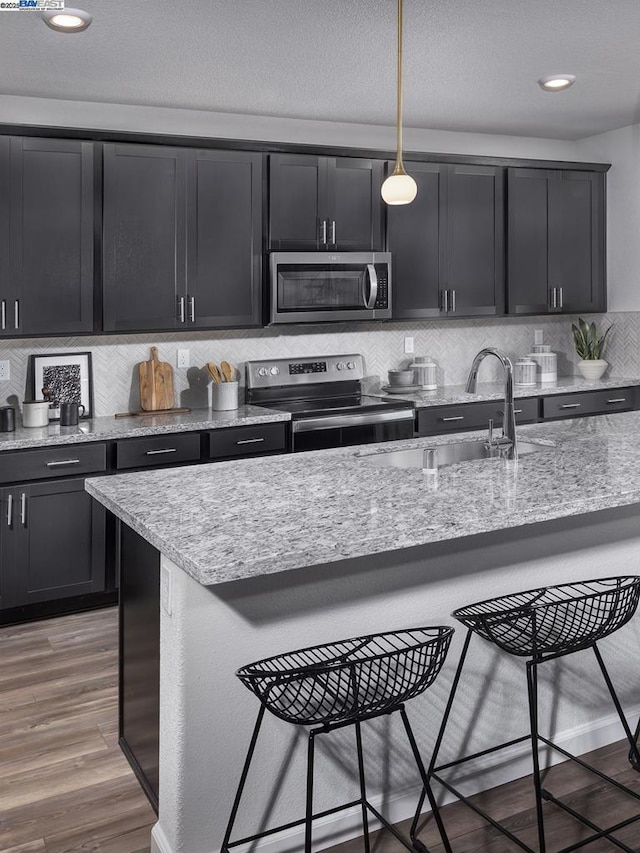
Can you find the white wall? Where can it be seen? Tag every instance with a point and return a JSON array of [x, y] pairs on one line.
[[621, 148], [46, 112]]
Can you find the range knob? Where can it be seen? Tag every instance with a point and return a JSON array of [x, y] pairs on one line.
[[341, 365], [262, 371], [351, 365], [274, 371]]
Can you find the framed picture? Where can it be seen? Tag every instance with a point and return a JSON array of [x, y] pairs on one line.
[[68, 376]]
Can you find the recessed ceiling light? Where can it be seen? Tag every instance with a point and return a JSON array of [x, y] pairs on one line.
[[556, 82], [67, 21]]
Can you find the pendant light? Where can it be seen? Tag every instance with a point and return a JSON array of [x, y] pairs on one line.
[[399, 188]]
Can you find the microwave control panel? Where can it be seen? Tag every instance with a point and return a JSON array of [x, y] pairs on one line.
[[382, 298]]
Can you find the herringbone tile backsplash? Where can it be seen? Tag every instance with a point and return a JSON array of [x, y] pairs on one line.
[[452, 344]]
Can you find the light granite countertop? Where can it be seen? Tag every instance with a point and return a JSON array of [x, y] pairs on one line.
[[229, 520], [109, 428], [455, 394]]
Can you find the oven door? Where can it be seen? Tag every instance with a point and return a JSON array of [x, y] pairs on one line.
[[349, 429], [317, 286]]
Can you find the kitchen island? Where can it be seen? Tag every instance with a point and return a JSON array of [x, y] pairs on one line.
[[265, 555]]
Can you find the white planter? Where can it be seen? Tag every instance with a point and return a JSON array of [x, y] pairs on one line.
[[592, 368]]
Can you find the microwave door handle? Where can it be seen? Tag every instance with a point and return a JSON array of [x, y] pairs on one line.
[[372, 275]]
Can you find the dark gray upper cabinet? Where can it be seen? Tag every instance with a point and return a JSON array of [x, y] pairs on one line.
[[182, 238], [325, 203], [47, 215], [447, 246], [144, 262], [555, 241], [224, 238]]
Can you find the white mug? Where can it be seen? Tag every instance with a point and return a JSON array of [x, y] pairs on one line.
[[35, 413]]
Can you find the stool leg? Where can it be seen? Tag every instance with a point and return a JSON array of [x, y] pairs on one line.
[[634, 755], [426, 788], [532, 688], [443, 725], [363, 789], [308, 821], [243, 779]]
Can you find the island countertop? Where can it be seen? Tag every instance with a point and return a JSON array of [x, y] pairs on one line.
[[229, 520]]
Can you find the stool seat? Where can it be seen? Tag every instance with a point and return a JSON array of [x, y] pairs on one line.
[[554, 620], [349, 679]]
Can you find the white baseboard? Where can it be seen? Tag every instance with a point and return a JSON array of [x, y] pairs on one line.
[[515, 762]]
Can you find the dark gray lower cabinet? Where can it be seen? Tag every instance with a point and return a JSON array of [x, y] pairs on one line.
[[53, 542], [438, 420]]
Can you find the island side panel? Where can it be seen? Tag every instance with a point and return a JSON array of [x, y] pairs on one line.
[[208, 632]]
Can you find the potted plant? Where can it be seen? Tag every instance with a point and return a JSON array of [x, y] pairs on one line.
[[589, 347]]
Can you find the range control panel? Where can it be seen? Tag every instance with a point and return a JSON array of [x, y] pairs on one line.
[[301, 371]]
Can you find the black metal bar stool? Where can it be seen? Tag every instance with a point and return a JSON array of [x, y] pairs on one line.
[[341, 684], [542, 625]]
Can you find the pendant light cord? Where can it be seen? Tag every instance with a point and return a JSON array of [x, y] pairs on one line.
[[399, 163]]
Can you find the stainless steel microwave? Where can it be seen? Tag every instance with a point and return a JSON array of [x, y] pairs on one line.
[[314, 287]]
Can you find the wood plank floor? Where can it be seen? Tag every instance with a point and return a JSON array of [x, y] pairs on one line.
[[65, 786]]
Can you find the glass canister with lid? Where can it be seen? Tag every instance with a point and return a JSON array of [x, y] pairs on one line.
[[425, 372]]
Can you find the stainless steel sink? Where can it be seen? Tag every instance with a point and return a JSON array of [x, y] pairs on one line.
[[446, 454]]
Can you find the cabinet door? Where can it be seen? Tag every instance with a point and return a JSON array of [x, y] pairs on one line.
[[474, 238], [527, 241], [576, 240], [224, 239], [416, 243], [354, 204], [52, 205], [59, 535], [297, 202], [144, 240], [8, 591], [7, 288]]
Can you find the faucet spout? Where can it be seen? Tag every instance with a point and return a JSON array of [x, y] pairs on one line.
[[509, 415]]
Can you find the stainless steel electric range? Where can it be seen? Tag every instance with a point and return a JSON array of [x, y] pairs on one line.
[[324, 396]]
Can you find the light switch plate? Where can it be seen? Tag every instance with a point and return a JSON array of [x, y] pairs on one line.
[[408, 345], [184, 357], [165, 590], [5, 373]]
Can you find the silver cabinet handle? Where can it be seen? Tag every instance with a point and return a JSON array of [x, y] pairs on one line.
[[373, 287], [444, 300], [553, 297], [457, 418], [571, 406], [23, 509], [515, 411], [250, 441], [453, 300], [63, 462], [16, 314], [333, 241], [618, 400], [561, 298], [323, 232], [9, 510], [192, 308], [157, 452], [181, 314], [3, 312]]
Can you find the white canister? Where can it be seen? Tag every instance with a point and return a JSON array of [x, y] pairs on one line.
[[35, 413], [547, 361], [224, 396], [425, 372], [525, 372]]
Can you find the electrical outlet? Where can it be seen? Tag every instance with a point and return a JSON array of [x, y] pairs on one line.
[[183, 357], [408, 345], [5, 373]]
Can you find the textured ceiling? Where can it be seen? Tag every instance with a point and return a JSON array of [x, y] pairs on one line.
[[469, 64]]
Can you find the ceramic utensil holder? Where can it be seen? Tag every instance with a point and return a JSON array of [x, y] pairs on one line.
[[224, 396], [35, 413]]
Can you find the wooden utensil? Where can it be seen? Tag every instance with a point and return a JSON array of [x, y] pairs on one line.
[[156, 383], [228, 371], [214, 373]]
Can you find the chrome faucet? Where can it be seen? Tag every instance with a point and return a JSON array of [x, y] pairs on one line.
[[508, 444]]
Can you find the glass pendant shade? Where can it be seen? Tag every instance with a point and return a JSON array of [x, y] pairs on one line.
[[399, 188]]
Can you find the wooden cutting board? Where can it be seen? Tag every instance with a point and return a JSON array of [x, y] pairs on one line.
[[156, 383]]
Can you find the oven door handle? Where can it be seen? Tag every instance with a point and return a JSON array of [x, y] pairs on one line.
[[336, 421], [372, 276]]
